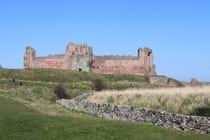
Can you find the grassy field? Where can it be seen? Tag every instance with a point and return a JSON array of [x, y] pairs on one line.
[[18, 122], [110, 81], [66, 76], [188, 100], [28, 112]]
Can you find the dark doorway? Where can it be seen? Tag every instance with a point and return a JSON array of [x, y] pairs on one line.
[[80, 69]]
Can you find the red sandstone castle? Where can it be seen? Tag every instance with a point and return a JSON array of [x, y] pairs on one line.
[[81, 58]]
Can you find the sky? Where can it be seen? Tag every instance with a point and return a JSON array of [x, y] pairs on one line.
[[178, 31]]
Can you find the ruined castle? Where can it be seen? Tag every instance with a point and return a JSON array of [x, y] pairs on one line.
[[81, 58]]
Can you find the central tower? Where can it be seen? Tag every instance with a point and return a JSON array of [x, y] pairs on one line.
[[79, 57]]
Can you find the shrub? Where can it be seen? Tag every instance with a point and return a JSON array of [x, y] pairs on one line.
[[98, 85], [60, 91], [110, 100], [202, 111]]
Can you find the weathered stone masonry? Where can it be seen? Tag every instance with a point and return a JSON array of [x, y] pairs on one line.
[[81, 58], [140, 115]]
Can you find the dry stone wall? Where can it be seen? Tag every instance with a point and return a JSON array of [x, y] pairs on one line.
[[139, 115]]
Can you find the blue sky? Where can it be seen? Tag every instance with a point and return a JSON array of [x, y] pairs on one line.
[[178, 31]]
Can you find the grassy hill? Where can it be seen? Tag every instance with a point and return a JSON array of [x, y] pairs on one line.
[[52, 75], [20, 122], [112, 81], [28, 112], [45, 80]]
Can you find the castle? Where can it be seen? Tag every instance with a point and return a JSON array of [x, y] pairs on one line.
[[81, 58]]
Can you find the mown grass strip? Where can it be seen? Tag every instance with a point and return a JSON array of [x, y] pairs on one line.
[[19, 122]]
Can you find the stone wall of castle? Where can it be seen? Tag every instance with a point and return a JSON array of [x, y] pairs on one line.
[[80, 58], [52, 61], [117, 66], [141, 65], [77, 57]]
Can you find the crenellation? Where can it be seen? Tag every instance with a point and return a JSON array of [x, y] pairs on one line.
[[81, 58], [117, 57], [56, 55]]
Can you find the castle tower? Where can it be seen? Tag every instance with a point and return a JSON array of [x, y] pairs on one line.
[[79, 57], [29, 56], [146, 59]]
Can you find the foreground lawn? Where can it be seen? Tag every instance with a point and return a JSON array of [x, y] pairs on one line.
[[20, 122]]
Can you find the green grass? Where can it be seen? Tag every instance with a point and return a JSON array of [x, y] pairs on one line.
[[112, 81], [28, 113], [36, 88], [65, 75], [18, 122]]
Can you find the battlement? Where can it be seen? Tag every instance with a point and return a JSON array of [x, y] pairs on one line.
[[72, 49], [117, 57], [80, 58]]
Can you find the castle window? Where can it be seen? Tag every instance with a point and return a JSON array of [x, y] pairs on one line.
[[73, 53], [93, 67], [149, 53], [97, 67]]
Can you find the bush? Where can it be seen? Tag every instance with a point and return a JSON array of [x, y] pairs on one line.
[[111, 100], [60, 91], [98, 85], [202, 111]]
